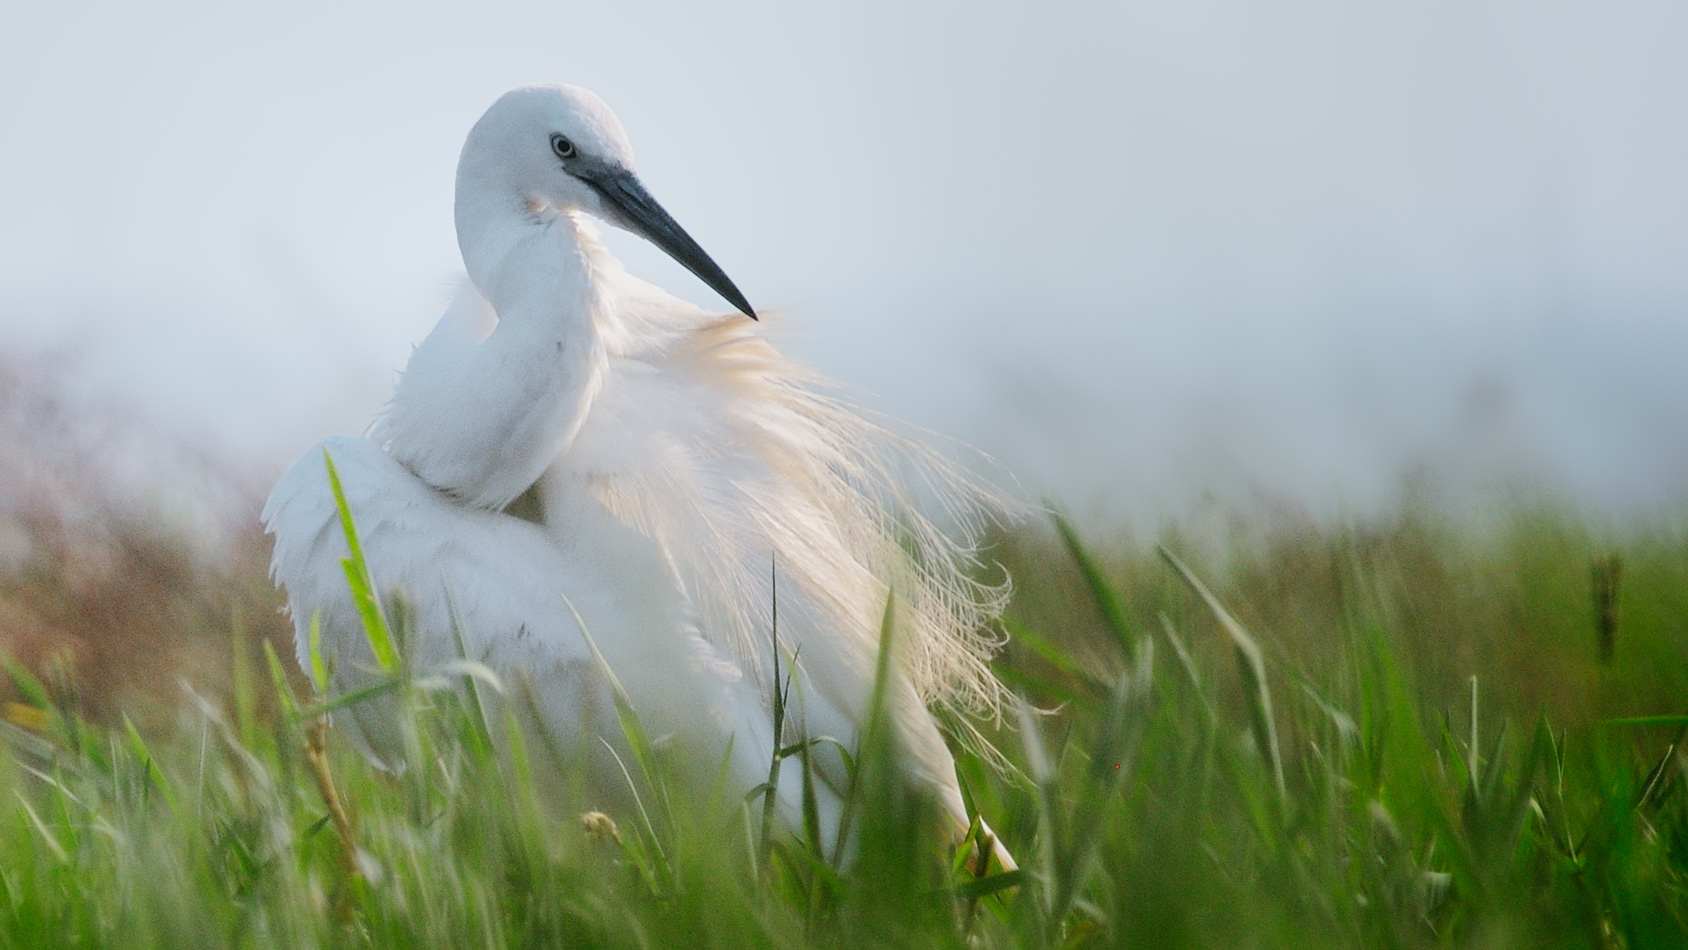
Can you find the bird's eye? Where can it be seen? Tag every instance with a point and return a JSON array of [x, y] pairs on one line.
[[562, 146]]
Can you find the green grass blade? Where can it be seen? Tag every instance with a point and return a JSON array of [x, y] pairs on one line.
[[351, 698], [874, 753], [644, 754], [155, 775], [471, 684], [319, 669], [986, 886], [1251, 662], [375, 626], [1106, 600], [47, 836], [1055, 656], [39, 706], [1647, 721], [278, 681]]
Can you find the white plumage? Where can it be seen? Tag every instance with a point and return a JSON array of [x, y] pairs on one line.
[[676, 458]]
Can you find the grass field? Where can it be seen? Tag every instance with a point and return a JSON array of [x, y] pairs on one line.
[[1406, 733]]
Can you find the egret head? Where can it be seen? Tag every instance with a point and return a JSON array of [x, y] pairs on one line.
[[561, 148]]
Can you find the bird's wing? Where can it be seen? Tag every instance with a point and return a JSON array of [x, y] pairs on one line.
[[444, 562], [516, 596], [497, 577], [742, 468], [420, 543], [733, 457]]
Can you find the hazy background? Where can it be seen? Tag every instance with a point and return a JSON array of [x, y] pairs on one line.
[[1147, 255]]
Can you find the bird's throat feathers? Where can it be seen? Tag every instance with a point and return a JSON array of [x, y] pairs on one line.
[[481, 414], [535, 263]]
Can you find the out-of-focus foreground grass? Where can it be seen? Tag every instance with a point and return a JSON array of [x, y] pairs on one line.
[[1398, 733]]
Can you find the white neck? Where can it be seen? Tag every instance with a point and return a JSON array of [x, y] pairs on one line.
[[480, 414]]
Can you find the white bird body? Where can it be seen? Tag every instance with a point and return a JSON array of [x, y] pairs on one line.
[[678, 460]]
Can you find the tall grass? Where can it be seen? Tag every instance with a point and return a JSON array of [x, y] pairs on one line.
[[1398, 735]]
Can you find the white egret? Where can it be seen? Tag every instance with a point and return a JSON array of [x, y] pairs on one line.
[[666, 459]]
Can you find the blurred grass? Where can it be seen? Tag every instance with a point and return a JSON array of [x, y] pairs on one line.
[[1394, 733], [1148, 815], [1378, 636], [1512, 602]]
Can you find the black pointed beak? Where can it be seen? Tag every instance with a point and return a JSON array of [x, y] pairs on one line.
[[639, 212]]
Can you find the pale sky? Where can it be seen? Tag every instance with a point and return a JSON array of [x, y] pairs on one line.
[[1138, 252]]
